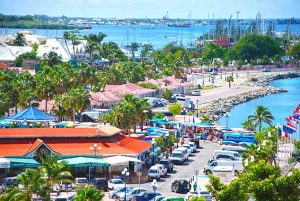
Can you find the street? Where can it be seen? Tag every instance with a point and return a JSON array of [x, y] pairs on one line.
[[187, 171]]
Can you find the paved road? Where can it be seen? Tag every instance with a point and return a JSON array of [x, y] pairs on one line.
[[188, 170]]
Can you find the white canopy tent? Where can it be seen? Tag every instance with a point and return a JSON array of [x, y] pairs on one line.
[[121, 159], [4, 163]]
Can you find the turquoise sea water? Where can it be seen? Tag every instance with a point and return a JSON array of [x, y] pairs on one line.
[[157, 35], [281, 105]]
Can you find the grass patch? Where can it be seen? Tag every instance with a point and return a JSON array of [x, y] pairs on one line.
[[208, 87]]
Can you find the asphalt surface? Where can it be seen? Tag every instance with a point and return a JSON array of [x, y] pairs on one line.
[[196, 163]]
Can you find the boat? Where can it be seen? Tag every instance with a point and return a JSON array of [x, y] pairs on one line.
[[185, 25]]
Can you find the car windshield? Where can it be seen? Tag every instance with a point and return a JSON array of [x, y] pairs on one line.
[[176, 155], [82, 181], [152, 171], [118, 182], [101, 181], [163, 162]]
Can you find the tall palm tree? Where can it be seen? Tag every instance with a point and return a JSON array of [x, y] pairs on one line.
[[52, 59], [74, 39], [45, 88], [54, 172], [229, 79], [261, 115], [205, 118], [134, 48], [20, 40], [89, 193], [32, 182]]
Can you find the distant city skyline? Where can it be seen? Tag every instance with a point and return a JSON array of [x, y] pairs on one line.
[[200, 9]]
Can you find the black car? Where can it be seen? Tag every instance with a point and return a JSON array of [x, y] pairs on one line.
[[168, 164], [100, 183], [180, 186]]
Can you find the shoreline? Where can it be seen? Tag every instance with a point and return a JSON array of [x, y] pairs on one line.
[[219, 107]]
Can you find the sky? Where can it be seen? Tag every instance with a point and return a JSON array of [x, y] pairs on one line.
[[200, 9]]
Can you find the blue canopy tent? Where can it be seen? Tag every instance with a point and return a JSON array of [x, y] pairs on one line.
[[31, 114]]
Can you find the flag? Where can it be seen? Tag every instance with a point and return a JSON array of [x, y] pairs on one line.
[[288, 129], [291, 125], [286, 134], [293, 120], [296, 116], [279, 132], [297, 109]]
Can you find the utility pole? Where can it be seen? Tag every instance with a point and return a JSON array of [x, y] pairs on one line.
[[229, 29]]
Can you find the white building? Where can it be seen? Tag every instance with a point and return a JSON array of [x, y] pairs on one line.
[[8, 54]]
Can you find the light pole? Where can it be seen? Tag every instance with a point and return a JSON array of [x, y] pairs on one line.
[[125, 174], [166, 144], [197, 101], [184, 112], [203, 79], [227, 115], [95, 149], [154, 186]]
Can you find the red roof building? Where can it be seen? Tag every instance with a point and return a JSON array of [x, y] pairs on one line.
[[222, 43], [69, 141]]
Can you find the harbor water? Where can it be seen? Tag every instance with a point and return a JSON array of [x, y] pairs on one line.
[[281, 105]]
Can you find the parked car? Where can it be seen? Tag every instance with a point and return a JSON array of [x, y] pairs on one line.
[[179, 97], [66, 186], [185, 152], [196, 93], [116, 183], [8, 182], [238, 149], [267, 70], [238, 166], [131, 194], [227, 157], [100, 183], [156, 172], [189, 149], [81, 182], [168, 164], [177, 157], [180, 186], [65, 197], [203, 193], [235, 154], [158, 198], [193, 146], [146, 197], [114, 194]]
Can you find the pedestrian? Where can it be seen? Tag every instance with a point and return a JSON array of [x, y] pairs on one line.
[[195, 187]]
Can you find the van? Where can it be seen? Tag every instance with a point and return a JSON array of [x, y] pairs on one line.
[[238, 149], [229, 153], [155, 172], [225, 173], [184, 151], [177, 157], [237, 165]]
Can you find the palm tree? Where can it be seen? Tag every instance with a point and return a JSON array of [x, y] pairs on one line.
[[248, 125], [260, 115], [74, 39], [52, 59], [67, 36], [134, 48], [206, 118], [14, 194], [89, 193], [45, 88], [20, 40], [229, 79], [54, 172], [32, 182], [144, 52]]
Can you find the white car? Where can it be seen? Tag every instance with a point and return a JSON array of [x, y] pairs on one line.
[[203, 193], [185, 152], [177, 157], [189, 149], [234, 154], [196, 93], [114, 194], [131, 194], [179, 97], [157, 171], [116, 183], [81, 182], [193, 146]]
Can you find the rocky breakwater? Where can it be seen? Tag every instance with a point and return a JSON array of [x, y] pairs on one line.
[[263, 80], [219, 107]]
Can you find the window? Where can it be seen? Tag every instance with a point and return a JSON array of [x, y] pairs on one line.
[[214, 164], [236, 155]]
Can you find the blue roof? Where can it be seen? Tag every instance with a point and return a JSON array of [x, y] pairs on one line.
[[31, 114]]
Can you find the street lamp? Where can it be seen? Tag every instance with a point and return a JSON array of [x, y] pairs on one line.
[[203, 79], [154, 186], [125, 174], [95, 149], [166, 144], [197, 101], [227, 115], [184, 112]]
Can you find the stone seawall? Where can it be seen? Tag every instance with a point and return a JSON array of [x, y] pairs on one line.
[[219, 107]]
